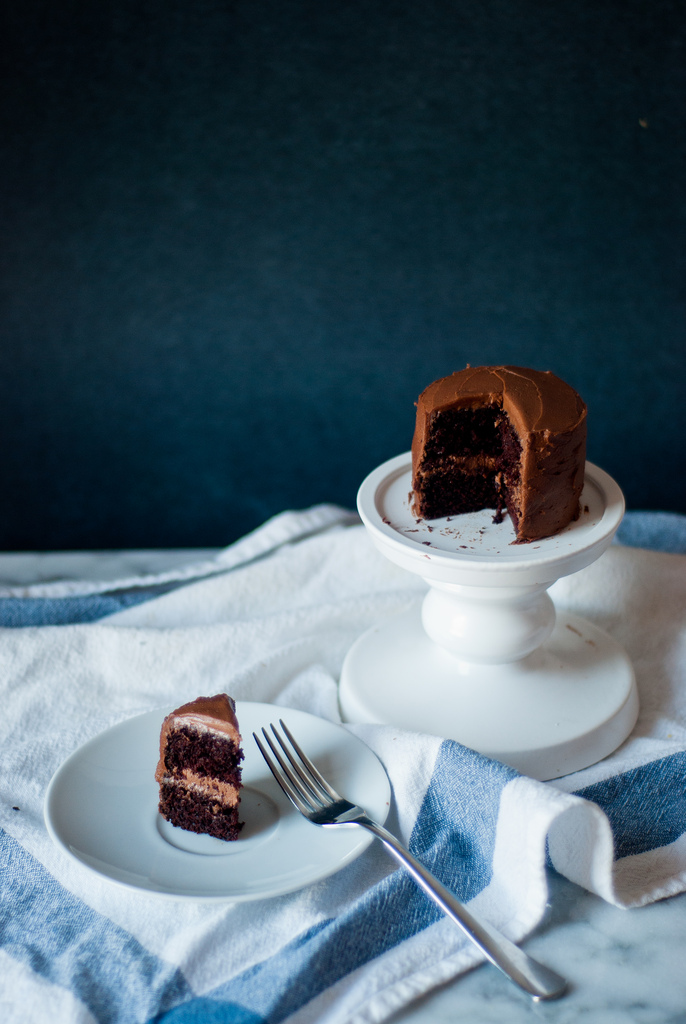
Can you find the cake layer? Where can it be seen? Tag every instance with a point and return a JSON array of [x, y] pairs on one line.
[[452, 491], [463, 432], [196, 812], [202, 751]]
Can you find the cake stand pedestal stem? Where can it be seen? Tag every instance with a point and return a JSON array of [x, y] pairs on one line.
[[488, 625]]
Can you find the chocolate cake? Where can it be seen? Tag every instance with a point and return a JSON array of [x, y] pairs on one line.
[[199, 771], [500, 437]]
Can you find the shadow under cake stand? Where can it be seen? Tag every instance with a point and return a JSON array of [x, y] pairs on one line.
[[484, 658]]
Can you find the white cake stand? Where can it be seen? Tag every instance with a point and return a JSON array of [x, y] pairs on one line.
[[484, 658]]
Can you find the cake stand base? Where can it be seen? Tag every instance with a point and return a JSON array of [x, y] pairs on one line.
[[564, 707]]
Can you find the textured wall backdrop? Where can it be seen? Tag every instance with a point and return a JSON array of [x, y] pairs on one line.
[[238, 238]]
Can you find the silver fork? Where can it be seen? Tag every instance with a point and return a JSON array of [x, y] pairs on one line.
[[309, 791]]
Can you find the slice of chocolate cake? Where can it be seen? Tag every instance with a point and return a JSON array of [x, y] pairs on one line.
[[199, 771], [500, 437]]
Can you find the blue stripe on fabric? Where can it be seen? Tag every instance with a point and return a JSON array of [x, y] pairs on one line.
[[63, 940], [18, 612], [455, 830], [454, 836], [205, 1010], [655, 531], [646, 806]]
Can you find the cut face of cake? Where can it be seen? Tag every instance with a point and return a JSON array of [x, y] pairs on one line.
[[199, 771], [500, 437]]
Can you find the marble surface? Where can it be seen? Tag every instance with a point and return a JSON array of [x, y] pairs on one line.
[[623, 966]]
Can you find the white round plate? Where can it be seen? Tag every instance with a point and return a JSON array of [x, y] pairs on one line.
[[101, 808]]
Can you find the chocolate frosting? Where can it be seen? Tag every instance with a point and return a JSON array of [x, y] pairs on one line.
[[534, 400], [549, 418], [218, 713]]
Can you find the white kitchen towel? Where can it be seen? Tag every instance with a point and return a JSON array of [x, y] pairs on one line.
[[270, 619]]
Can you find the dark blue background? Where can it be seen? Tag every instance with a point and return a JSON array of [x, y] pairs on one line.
[[238, 238]]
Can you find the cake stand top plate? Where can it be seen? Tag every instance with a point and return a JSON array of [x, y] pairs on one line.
[[471, 549]]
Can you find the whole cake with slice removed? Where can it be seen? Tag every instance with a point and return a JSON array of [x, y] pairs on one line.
[[500, 437], [199, 770]]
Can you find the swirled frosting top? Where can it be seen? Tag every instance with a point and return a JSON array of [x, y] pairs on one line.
[[534, 400]]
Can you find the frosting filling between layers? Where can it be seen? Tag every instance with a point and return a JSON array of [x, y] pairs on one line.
[[226, 792]]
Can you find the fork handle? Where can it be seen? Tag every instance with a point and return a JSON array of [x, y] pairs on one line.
[[538, 981]]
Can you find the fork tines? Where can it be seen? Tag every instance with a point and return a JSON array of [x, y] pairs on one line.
[[298, 777]]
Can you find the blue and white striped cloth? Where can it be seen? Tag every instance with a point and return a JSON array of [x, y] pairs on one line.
[[270, 619]]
